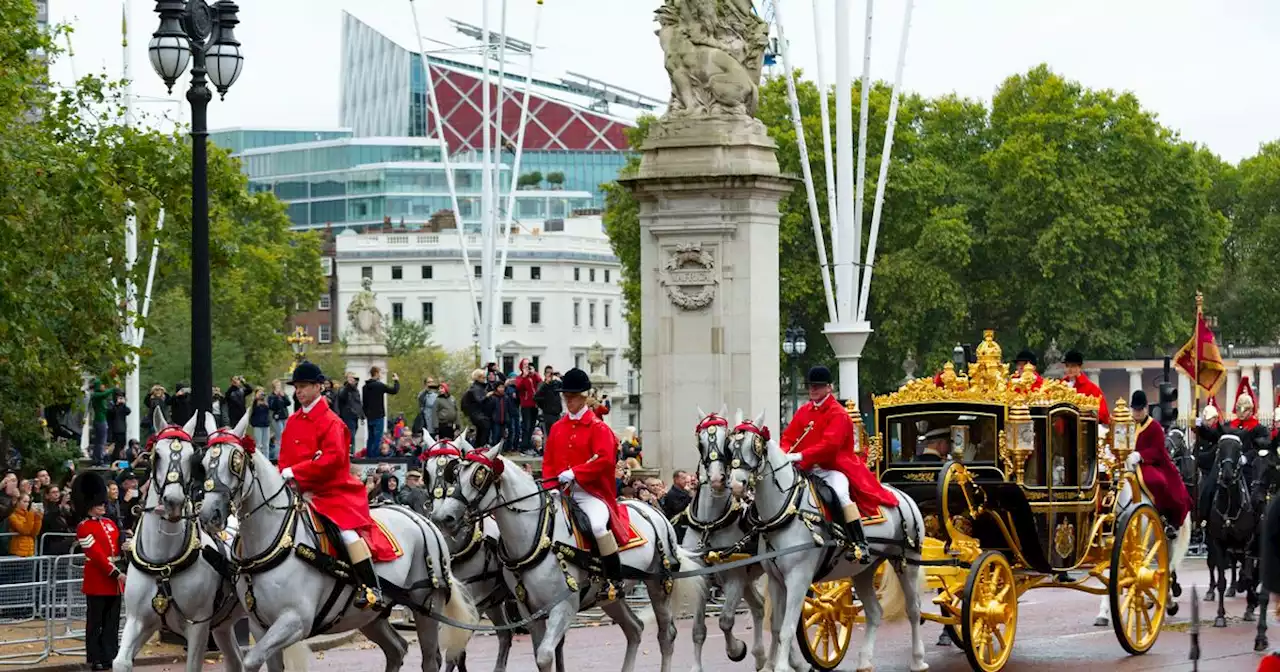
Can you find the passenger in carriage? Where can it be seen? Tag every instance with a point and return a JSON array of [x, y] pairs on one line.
[[819, 440], [1158, 470], [935, 446], [1075, 377]]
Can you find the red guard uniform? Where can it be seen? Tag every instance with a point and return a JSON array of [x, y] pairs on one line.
[[829, 445], [99, 538], [587, 447], [314, 447], [1160, 475], [1085, 386]]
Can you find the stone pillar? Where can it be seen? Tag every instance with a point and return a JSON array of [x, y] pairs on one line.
[[1186, 404], [361, 358], [1135, 381], [1266, 391], [1229, 393], [708, 189]]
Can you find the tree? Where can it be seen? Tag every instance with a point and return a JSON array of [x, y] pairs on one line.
[[1247, 299], [406, 337], [529, 180], [556, 180], [622, 225]]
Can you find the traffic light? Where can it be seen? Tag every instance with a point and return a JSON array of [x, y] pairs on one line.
[[1167, 408]]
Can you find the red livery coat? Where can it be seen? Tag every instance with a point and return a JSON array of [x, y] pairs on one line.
[[99, 538], [1085, 386], [315, 447], [829, 444], [1160, 474], [589, 448]]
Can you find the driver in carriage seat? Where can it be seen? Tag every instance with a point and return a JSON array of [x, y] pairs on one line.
[[819, 440], [1159, 473], [314, 455], [580, 455], [936, 446]]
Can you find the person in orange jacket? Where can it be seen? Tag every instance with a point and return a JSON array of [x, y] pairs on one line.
[[103, 582]]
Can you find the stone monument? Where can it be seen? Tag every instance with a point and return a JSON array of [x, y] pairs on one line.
[[366, 342], [708, 188]]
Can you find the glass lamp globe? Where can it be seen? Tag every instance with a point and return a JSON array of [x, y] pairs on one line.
[[801, 345], [224, 62], [788, 347], [169, 55], [1026, 436]]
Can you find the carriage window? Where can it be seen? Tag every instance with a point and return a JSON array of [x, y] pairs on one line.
[[1034, 469], [1063, 460], [1088, 452], [924, 438]]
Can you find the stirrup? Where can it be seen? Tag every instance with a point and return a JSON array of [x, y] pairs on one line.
[[368, 598]]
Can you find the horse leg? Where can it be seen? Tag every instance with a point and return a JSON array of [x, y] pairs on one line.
[[796, 584], [1221, 620], [136, 633], [560, 656], [699, 633], [734, 648], [428, 639], [755, 601], [225, 637], [1211, 563], [380, 632], [557, 623], [270, 643], [1260, 642], [660, 602], [631, 628], [197, 636], [1235, 577], [910, 578], [498, 616], [865, 586], [1103, 619]]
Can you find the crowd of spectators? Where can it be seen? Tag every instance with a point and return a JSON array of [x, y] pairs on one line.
[[36, 516]]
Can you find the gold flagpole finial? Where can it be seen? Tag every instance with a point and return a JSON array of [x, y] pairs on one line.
[[1199, 300]]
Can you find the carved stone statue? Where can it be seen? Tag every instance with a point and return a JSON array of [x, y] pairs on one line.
[[364, 318], [714, 54], [1053, 367], [909, 366]]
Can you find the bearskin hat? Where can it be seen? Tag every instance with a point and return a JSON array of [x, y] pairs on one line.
[[87, 491]]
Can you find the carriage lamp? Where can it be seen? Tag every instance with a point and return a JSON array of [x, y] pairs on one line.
[[1123, 435], [1023, 434], [859, 442]]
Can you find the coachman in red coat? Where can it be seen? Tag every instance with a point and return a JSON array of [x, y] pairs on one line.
[[1074, 362], [581, 453], [314, 455], [1159, 473], [820, 439], [99, 538]]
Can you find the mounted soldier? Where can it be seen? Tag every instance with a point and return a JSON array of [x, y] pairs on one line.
[[1158, 471], [1252, 433], [1076, 378], [819, 440]]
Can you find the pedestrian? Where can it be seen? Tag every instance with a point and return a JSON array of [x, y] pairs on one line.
[[118, 421], [473, 406], [350, 408], [237, 400], [280, 409], [527, 384], [103, 581], [426, 420], [375, 407], [548, 399], [260, 420], [446, 415], [100, 404]]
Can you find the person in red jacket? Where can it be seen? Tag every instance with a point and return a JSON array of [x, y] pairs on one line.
[[820, 441], [526, 386], [1158, 471], [580, 455], [1075, 377], [103, 583], [313, 454]]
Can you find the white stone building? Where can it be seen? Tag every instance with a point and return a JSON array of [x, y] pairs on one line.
[[562, 295]]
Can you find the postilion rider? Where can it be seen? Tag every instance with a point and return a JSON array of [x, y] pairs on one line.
[[103, 583], [581, 451], [314, 455], [1074, 362], [819, 440], [1159, 473]]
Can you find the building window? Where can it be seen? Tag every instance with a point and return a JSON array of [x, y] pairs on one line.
[[325, 302], [508, 313], [426, 271], [508, 273], [591, 315], [577, 313], [591, 275], [608, 314], [397, 272], [325, 335], [428, 313], [608, 366], [535, 312], [632, 419], [326, 266], [397, 312], [533, 361], [535, 272], [577, 361], [508, 363], [606, 275], [366, 272], [577, 274], [479, 271]]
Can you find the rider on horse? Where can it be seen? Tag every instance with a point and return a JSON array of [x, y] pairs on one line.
[[314, 455], [581, 451], [1159, 473], [1075, 377], [820, 440], [1253, 435]]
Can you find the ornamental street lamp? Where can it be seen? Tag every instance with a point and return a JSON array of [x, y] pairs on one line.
[[194, 33], [793, 346], [298, 341]]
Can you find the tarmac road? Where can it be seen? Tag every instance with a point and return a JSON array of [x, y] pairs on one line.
[[1055, 632]]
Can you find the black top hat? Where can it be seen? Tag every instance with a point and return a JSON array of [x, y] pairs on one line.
[[818, 375], [1138, 401], [87, 491], [1074, 357], [306, 372], [1026, 356], [575, 381]]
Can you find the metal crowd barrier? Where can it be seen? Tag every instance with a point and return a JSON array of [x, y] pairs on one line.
[[42, 610]]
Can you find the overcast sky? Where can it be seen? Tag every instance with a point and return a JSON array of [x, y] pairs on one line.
[[1208, 69]]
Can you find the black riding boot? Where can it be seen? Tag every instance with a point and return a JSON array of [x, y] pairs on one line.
[[368, 594], [857, 543], [612, 587]]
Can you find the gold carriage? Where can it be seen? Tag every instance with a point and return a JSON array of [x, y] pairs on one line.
[[1024, 498]]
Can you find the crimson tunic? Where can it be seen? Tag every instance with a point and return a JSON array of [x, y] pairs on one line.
[[315, 447], [1160, 474], [1085, 386], [100, 540], [589, 448], [829, 444]]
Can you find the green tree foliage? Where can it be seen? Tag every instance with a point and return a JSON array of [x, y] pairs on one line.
[[406, 337], [555, 179], [529, 180], [622, 224]]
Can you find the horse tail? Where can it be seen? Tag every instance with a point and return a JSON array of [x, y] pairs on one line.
[[685, 592], [460, 608], [893, 600], [296, 657], [1181, 545]]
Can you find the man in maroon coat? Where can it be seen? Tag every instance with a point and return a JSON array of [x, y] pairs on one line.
[[1159, 473]]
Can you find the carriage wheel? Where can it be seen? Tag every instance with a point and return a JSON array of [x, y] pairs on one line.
[[989, 615], [826, 623], [1139, 586]]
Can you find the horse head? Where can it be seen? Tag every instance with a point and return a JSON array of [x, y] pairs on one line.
[[1180, 452], [1266, 471], [230, 470], [473, 489], [440, 464], [711, 432], [1230, 456], [746, 452], [174, 462]]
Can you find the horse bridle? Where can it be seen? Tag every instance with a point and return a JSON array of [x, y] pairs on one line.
[[717, 452], [175, 474], [238, 452]]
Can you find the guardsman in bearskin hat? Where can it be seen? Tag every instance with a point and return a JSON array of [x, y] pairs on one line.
[[580, 455], [1158, 470], [103, 583], [1074, 362], [820, 440]]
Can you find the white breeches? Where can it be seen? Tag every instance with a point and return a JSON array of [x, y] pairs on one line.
[[838, 482], [597, 511], [350, 537]]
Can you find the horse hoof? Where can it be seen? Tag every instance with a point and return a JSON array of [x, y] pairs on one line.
[[1177, 590], [1249, 617], [1231, 592], [738, 654], [1261, 644], [944, 640], [1172, 609], [1219, 622], [1101, 621], [1208, 595]]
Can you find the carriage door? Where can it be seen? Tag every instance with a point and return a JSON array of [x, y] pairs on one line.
[[1069, 502]]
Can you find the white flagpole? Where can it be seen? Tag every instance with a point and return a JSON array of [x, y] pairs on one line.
[[133, 384], [495, 304], [826, 124], [486, 178], [845, 257], [865, 113]]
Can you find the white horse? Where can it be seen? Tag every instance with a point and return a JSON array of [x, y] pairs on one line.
[[781, 504], [714, 520], [288, 598], [532, 524], [1124, 499]]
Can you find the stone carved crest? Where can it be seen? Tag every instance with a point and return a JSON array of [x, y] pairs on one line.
[[364, 318], [714, 54], [689, 277]]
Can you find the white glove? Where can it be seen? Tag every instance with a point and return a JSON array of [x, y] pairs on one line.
[[287, 473], [566, 476], [1243, 460], [1133, 461], [1199, 422], [794, 457]]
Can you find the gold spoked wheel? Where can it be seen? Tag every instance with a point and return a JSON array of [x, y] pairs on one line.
[[1139, 587], [826, 623], [989, 616]]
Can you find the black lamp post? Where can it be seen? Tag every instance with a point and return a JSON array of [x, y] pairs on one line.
[[793, 346], [193, 32]]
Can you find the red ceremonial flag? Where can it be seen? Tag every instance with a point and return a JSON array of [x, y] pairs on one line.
[[1201, 359]]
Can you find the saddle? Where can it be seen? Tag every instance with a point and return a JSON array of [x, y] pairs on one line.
[[580, 525], [824, 497], [330, 555]]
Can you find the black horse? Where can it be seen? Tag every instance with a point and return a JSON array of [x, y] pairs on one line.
[[1206, 458], [1232, 522], [1266, 487]]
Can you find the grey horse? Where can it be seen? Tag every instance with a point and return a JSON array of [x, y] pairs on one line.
[[714, 520], [531, 520], [285, 598], [779, 487]]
